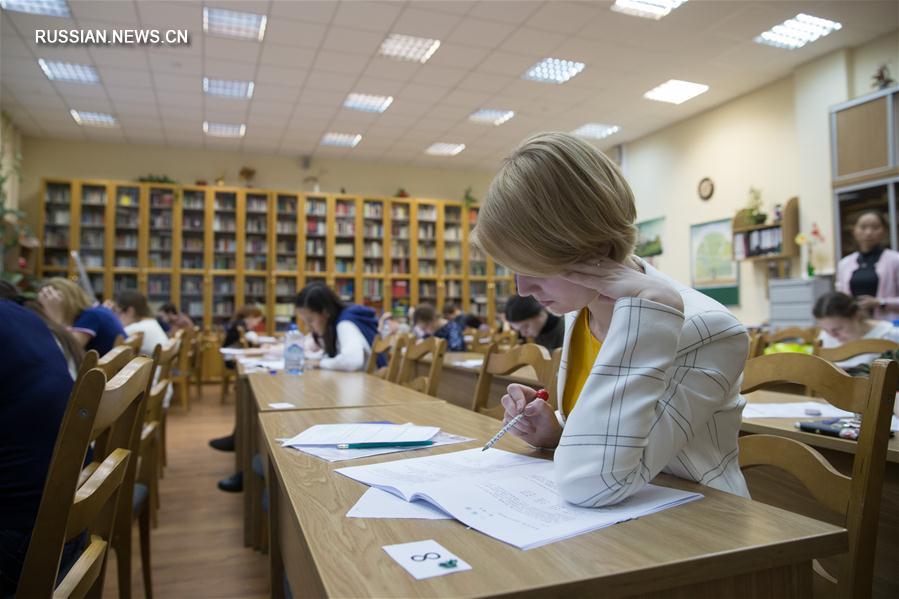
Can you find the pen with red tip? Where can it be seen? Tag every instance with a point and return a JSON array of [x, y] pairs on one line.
[[541, 394]]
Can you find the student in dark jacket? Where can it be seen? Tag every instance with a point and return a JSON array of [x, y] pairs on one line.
[[426, 320], [33, 400], [345, 331], [532, 321]]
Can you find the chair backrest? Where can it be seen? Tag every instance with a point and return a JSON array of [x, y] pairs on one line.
[[506, 339], [185, 351], [481, 341], [165, 357], [497, 362], [756, 345], [807, 336], [115, 359], [395, 345], [242, 334], [856, 348], [134, 341], [436, 348], [109, 413], [89, 361], [856, 497]]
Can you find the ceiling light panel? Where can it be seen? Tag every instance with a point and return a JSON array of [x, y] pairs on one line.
[[408, 47], [230, 23], [368, 102], [797, 32], [69, 72], [444, 149], [647, 9], [228, 89], [490, 116], [554, 70], [94, 119], [342, 140], [675, 91], [224, 129], [52, 8], [596, 130]]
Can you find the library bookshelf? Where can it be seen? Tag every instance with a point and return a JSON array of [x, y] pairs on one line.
[[210, 250]]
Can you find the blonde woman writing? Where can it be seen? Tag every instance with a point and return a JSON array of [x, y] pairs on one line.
[[651, 369]]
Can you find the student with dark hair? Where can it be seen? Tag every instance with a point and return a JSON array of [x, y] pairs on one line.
[[174, 318], [134, 312], [842, 320], [425, 319], [871, 274], [531, 320], [344, 331], [33, 401]]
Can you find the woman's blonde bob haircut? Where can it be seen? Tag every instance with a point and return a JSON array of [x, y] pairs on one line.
[[75, 299], [556, 201]]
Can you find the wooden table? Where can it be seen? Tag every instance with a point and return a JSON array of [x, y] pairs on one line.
[[458, 382], [313, 390], [778, 488], [720, 546]]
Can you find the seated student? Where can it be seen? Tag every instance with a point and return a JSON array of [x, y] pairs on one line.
[[452, 312], [429, 324], [344, 331], [33, 401], [531, 320], [174, 318], [842, 320], [651, 369], [73, 352], [388, 325], [94, 327], [134, 313]]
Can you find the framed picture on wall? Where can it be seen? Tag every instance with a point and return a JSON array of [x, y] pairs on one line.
[[649, 237], [713, 270]]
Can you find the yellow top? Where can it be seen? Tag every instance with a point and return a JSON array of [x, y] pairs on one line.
[[582, 352]]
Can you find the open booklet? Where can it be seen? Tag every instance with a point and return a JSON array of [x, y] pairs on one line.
[[507, 496]]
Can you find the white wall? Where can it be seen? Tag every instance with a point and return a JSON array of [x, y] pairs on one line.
[[866, 60]]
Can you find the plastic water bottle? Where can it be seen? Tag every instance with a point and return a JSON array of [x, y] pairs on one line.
[[294, 356]]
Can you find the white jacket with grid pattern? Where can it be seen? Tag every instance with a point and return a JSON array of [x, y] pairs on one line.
[[662, 396]]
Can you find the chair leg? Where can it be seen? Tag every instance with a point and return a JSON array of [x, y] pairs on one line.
[[225, 380], [123, 563], [184, 393], [144, 528], [163, 452]]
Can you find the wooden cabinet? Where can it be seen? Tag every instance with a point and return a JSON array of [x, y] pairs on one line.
[[211, 250], [864, 138]]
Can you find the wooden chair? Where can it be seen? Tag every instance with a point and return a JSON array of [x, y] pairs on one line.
[[436, 348], [165, 363], [807, 336], [756, 345], [481, 341], [196, 361], [230, 374], [496, 362], [134, 341], [109, 414], [181, 372], [856, 498], [393, 344], [115, 359], [856, 348], [506, 339]]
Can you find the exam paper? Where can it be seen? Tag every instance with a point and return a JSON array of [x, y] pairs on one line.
[[510, 497], [473, 363], [376, 503], [363, 432], [332, 454], [798, 409]]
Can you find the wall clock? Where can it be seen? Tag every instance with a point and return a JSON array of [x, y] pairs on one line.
[[706, 188]]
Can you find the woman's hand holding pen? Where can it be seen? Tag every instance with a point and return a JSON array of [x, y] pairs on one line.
[[539, 426]]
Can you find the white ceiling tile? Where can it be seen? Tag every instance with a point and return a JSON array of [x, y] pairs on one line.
[[341, 62], [566, 17], [486, 82], [286, 94], [456, 7], [294, 33], [533, 42], [179, 65], [234, 109], [280, 76], [90, 104], [505, 11], [353, 41], [186, 14], [263, 108], [424, 93], [448, 76], [397, 70], [377, 87], [11, 46], [403, 107], [419, 22], [363, 14], [126, 77], [330, 81], [480, 33], [279, 55], [177, 83], [304, 112], [79, 90], [458, 55], [220, 48], [506, 63], [127, 57], [137, 109], [449, 111], [219, 69], [21, 68], [63, 53], [470, 99], [103, 10], [138, 122], [253, 6], [321, 97]]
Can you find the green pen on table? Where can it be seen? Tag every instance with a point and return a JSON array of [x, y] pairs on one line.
[[384, 444]]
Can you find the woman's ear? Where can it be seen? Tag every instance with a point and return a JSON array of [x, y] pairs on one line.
[[604, 249]]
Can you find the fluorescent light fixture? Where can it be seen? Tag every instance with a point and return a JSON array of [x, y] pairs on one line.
[[368, 102], [69, 72], [648, 9], [409, 47], [343, 140], [797, 32], [52, 8], [490, 116], [230, 23], [675, 91], [93, 119], [554, 70], [444, 149], [224, 129], [596, 130], [228, 89]]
